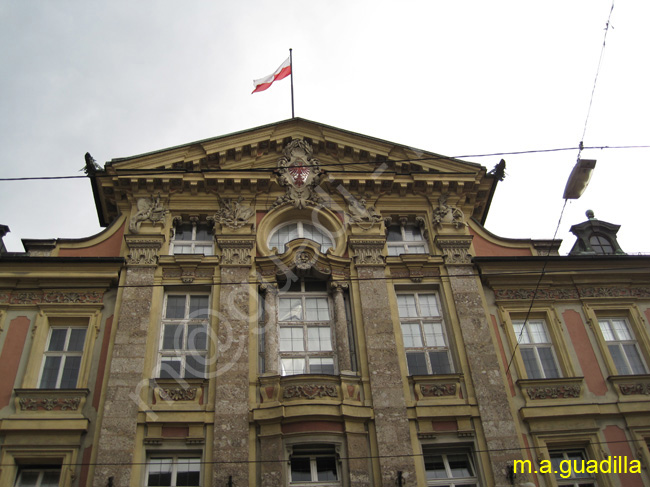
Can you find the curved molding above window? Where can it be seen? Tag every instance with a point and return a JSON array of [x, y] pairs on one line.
[[326, 221]]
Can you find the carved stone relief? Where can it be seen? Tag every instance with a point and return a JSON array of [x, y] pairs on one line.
[[236, 252], [143, 251], [309, 391], [437, 390], [640, 388], [148, 209], [233, 214], [572, 293], [177, 394], [446, 214], [455, 250], [361, 214], [368, 252], [553, 392]]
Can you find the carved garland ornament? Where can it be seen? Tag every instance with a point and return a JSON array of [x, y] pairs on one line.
[[437, 390], [629, 389], [178, 394], [92, 297], [555, 392], [28, 404], [309, 391]]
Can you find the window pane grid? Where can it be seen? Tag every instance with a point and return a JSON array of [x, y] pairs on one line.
[[425, 340], [192, 239], [184, 336], [536, 349], [285, 234], [405, 240], [174, 471], [449, 469], [622, 346], [62, 358], [306, 339]]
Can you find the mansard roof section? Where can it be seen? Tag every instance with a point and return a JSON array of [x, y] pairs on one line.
[[246, 161]]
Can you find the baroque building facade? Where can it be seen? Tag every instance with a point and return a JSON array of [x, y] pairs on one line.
[[298, 305]]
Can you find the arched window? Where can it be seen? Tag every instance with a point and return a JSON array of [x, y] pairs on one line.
[[284, 234]]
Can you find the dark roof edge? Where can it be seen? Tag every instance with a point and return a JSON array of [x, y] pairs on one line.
[[559, 258], [23, 258]]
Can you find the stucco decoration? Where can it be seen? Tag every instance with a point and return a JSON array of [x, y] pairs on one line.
[[368, 252], [455, 250], [554, 392], [299, 173], [446, 214], [640, 388], [148, 209], [309, 391], [437, 390], [233, 214], [143, 251], [177, 394], [572, 293], [236, 252], [361, 214]]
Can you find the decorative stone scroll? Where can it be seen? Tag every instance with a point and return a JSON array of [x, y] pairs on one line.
[[455, 250], [233, 214], [553, 392], [177, 394], [309, 391], [630, 389], [143, 251], [368, 252], [236, 252], [299, 173], [148, 209], [437, 390]]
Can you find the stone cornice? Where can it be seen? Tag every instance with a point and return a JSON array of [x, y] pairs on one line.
[[143, 249]]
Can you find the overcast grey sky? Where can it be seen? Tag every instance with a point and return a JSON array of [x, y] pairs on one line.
[[458, 78]]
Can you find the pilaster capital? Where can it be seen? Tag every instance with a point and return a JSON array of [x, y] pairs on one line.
[[338, 286], [368, 251], [455, 249], [143, 249], [269, 288], [236, 251]]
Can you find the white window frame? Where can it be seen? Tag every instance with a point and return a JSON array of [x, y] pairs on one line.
[[573, 481], [175, 458], [421, 320], [307, 354], [313, 456], [535, 346], [41, 473], [444, 451], [300, 230], [180, 354], [193, 243], [406, 245], [63, 354], [621, 343]]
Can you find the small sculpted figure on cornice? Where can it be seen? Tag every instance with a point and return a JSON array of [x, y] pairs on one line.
[[362, 214], [233, 214], [446, 214], [299, 173], [148, 209]]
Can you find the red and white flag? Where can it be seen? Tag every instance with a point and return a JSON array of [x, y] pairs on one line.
[[282, 72]]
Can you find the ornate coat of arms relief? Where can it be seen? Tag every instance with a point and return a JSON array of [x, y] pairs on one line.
[[300, 173]]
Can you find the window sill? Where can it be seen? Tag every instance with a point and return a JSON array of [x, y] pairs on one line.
[[435, 388], [631, 387]]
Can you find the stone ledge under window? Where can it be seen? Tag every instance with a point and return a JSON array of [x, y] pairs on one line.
[[550, 389], [631, 387], [181, 393], [278, 390], [68, 401]]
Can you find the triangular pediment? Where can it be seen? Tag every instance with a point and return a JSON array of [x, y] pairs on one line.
[[247, 160]]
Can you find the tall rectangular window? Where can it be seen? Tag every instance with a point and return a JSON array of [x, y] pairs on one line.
[[536, 349], [192, 238], [166, 470], [406, 239], [38, 477], [314, 465], [184, 336], [306, 338], [424, 334], [570, 468], [622, 346], [449, 468], [62, 358]]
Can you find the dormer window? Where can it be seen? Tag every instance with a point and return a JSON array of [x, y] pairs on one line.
[[192, 238], [284, 234], [405, 239]]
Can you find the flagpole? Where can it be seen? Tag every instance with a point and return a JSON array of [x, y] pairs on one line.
[[291, 64]]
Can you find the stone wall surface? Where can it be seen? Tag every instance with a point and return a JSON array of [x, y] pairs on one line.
[[119, 424]]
